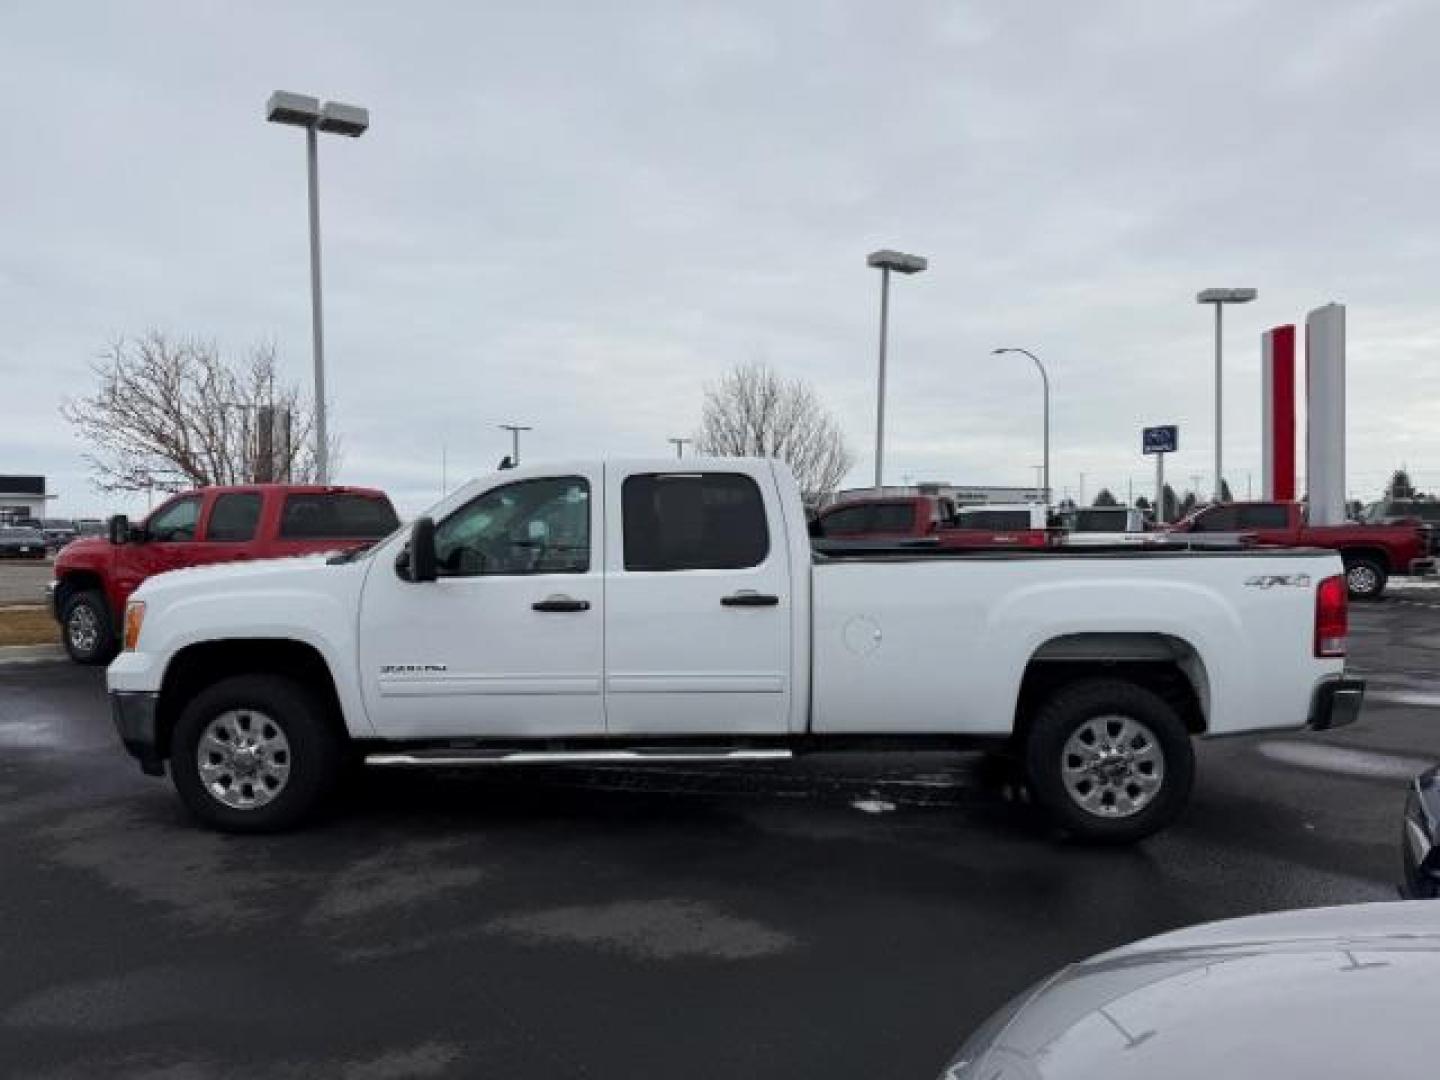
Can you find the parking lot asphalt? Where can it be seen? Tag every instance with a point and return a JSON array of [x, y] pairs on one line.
[[835, 917]]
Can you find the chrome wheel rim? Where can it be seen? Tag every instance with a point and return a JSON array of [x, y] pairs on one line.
[[83, 628], [1113, 766], [1361, 579], [243, 759]]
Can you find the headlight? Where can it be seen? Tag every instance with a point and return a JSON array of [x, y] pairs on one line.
[[134, 619]]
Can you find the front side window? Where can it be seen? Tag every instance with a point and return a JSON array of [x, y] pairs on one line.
[[176, 523], [530, 527], [233, 518], [689, 521], [1220, 520]]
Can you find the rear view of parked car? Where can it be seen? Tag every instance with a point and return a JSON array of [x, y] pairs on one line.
[[21, 542]]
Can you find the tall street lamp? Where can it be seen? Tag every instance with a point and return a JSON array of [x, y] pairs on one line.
[[886, 261], [298, 110], [1045, 385], [514, 430], [1221, 297]]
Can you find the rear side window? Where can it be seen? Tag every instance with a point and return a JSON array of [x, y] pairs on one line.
[[1264, 517], [336, 515], [233, 518], [684, 521], [893, 517], [850, 519]]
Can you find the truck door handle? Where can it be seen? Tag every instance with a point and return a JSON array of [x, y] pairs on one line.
[[749, 598], [561, 603]]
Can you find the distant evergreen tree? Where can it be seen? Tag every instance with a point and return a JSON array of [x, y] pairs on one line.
[[1142, 503], [1225, 495], [1104, 498], [1400, 486], [1188, 503]]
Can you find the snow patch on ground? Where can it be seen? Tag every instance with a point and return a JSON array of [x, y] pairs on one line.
[[1345, 762], [650, 930]]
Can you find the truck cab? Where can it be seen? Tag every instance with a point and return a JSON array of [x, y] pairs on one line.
[[95, 576]]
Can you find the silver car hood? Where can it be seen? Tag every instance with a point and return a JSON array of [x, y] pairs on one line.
[[1344, 991]]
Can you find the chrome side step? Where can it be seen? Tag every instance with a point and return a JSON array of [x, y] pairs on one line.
[[573, 757]]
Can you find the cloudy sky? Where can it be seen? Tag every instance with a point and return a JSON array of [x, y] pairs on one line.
[[575, 215]]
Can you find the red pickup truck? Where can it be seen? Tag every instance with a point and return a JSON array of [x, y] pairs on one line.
[[933, 520], [94, 576], [1372, 553]]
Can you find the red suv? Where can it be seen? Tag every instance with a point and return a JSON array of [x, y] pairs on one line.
[[94, 576]]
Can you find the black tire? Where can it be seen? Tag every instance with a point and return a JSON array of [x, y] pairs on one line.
[[1365, 578], [1072, 708], [315, 752], [87, 629]]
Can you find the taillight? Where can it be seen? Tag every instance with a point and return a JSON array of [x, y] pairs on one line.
[[1332, 617]]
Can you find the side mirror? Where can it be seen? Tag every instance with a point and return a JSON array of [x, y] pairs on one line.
[[119, 529], [422, 550]]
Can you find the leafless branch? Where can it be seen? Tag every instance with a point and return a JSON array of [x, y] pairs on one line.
[[753, 411], [169, 414]]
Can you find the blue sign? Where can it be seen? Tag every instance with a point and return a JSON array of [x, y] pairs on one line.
[[1161, 440]]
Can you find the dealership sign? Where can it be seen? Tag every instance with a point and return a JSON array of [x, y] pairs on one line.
[[1161, 440]]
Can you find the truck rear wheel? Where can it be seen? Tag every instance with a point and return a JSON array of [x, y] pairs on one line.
[[1364, 577], [1109, 760], [86, 628], [254, 754]]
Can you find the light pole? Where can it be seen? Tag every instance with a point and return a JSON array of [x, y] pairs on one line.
[[679, 445], [1045, 385], [514, 430], [298, 110], [1221, 297], [885, 261]]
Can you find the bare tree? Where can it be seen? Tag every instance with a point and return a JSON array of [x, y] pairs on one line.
[[753, 411], [171, 414]]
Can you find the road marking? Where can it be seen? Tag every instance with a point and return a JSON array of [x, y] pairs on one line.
[[1344, 761]]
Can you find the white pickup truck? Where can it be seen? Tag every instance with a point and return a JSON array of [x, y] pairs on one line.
[[651, 612]]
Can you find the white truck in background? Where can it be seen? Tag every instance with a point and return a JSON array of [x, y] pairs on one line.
[[655, 611]]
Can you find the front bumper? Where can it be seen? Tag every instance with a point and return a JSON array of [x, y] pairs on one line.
[[1420, 837], [1336, 703], [134, 716]]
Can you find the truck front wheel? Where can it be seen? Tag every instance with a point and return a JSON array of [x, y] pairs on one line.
[[86, 628], [254, 754], [1109, 760]]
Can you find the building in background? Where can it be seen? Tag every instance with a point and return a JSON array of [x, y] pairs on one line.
[[22, 497]]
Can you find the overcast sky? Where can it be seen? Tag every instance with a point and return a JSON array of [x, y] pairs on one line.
[[575, 215]]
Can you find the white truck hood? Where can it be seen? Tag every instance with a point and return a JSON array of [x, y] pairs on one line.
[[233, 575]]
